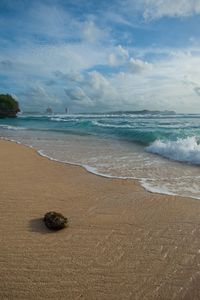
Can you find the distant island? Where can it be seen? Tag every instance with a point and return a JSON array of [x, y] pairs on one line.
[[9, 107], [145, 112]]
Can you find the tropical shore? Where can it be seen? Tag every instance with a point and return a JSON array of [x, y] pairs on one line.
[[122, 241]]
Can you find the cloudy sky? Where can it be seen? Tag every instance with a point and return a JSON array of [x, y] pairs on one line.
[[92, 55]]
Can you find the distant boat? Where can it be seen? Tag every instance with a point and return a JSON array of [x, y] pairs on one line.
[[49, 110]]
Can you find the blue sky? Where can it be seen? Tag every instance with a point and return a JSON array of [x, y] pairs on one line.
[[98, 56]]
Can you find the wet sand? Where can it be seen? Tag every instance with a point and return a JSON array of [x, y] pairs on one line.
[[122, 241]]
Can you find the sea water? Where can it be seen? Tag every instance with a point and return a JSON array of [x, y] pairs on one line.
[[162, 151]]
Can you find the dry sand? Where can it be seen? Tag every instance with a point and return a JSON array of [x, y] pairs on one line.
[[122, 242]]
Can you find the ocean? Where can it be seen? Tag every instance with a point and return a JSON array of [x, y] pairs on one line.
[[160, 150]]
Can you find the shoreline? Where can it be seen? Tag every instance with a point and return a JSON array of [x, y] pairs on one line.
[[122, 241], [93, 171]]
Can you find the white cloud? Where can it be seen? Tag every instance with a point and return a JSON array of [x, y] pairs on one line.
[[56, 68], [58, 76], [37, 98], [170, 83], [138, 66], [95, 92], [112, 59], [72, 76], [123, 52], [154, 9], [116, 17], [78, 97], [42, 60], [101, 90], [76, 94], [119, 56], [92, 33]]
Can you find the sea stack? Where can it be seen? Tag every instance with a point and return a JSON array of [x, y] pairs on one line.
[[49, 110]]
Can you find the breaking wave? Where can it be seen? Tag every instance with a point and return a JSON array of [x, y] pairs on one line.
[[183, 150]]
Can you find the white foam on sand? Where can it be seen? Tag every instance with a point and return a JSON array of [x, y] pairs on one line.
[[147, 183]]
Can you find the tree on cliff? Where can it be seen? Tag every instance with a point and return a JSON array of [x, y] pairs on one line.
[[9, 107]]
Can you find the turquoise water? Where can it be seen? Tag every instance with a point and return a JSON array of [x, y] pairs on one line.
[[143, 129], [162, 151]]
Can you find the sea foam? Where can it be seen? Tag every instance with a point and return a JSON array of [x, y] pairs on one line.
[[9, 127], [183, 150]]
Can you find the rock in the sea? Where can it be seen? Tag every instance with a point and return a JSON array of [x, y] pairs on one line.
[[9, 107], [55, 221]]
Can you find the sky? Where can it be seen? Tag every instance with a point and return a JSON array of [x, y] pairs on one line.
[[96, 56]]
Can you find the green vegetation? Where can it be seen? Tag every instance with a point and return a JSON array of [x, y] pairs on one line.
[[9, 107]]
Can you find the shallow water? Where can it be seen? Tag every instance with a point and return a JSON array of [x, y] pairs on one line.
[[120, 145]]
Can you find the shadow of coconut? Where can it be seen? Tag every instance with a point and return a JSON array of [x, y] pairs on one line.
[[38, 225]]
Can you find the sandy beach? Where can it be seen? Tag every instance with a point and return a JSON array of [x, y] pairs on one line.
[[122, 241]]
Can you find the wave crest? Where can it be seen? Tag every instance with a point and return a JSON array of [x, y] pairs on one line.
[[183, 150], [9, 127]]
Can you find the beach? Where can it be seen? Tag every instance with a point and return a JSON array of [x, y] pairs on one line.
[[161, 151], [122, 242]]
